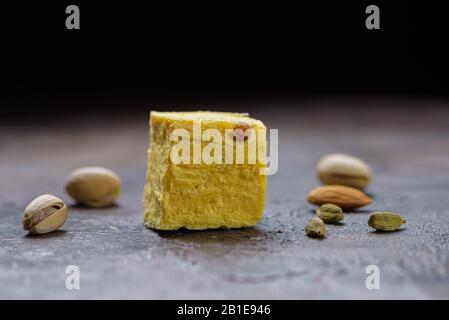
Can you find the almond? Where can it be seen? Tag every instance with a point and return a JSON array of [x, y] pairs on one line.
[[342, 196]]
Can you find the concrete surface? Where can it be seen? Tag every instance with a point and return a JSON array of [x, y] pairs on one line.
[[406, 145]]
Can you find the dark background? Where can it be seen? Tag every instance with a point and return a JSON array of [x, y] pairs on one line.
[[170, 51], [77, 98]]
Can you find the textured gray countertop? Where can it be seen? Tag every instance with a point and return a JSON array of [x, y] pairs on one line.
[[406, 145]]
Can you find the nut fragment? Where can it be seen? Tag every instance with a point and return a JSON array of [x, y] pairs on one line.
[[346, 198], [44, 214], [316, 228], [93, 186], [330, 213], [242, 131], [385, 221], [342, 169]]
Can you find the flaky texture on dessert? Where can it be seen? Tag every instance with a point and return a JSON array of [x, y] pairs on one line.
[[201, 196]]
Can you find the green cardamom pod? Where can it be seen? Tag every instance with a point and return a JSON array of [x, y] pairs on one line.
[[316, 228], [330, 213], [385, 221]]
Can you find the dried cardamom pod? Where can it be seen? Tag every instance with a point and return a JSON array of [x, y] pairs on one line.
[[385, 221], [316, 228], [330, 213]]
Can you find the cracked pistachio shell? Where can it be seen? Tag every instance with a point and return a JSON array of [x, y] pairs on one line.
[[342, 169], [44, 214], [93, 186]]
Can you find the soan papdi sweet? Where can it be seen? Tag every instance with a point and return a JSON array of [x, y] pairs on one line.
[[205, 170]]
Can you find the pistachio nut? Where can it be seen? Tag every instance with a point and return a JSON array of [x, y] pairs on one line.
[[342, 169], [93, 186], [44, 214]]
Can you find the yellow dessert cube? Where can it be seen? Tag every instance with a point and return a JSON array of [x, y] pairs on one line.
[[205, 171]]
